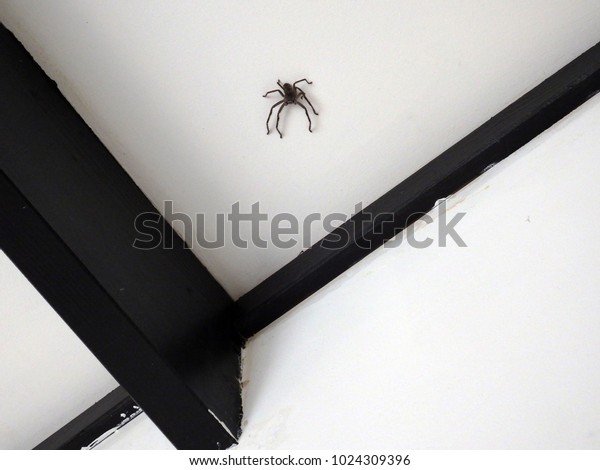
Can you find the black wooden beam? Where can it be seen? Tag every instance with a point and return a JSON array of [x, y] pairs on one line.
[[109, 413], [155, 318], [495, 140]]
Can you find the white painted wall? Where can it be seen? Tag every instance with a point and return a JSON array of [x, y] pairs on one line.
[[174, 87], [47, 375], [492, 346]]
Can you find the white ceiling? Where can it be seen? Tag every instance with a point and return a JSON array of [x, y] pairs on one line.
[[173, 88]]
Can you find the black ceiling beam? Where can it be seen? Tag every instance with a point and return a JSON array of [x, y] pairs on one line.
[[111, 412], [155, 318], [495, 140]]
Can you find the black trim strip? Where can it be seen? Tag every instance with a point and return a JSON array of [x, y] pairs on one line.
[[155, 318], [108, 413], [495, 140]]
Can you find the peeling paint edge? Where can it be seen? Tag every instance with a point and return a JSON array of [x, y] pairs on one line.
[[223, 425], [138, 411]]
